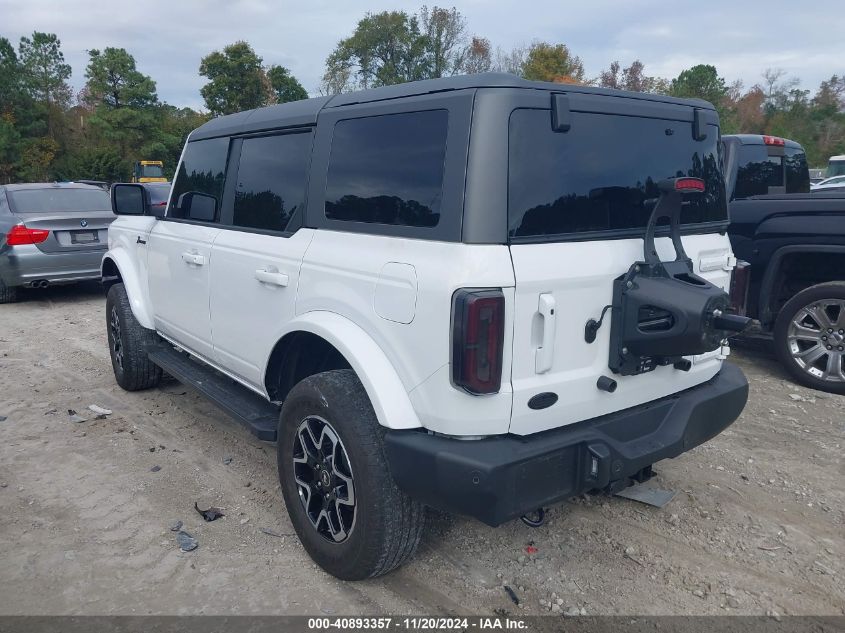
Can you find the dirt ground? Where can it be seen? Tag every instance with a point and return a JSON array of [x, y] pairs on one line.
[[757, 525]]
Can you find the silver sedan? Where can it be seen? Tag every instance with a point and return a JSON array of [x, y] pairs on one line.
[[51, 233]]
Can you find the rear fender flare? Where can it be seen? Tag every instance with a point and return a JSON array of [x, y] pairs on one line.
[[385, 389], [129, 277]]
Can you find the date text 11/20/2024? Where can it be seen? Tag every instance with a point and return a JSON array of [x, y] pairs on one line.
[[416, 623]]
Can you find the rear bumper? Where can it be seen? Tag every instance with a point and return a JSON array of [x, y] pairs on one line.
[[22, 265], [500, 478]]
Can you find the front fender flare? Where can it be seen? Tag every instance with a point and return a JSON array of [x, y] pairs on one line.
[[383, 386], [131, 280]]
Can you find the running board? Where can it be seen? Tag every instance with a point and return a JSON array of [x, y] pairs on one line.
[[247, 407]]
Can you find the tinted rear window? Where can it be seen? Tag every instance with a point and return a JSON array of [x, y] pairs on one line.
[[388, 169], [759, 174], [602, 174], [59, 200]]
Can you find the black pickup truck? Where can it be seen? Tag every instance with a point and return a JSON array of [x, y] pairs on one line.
[[794, 241]]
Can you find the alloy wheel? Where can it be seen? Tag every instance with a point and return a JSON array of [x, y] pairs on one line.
[[816, 339], [114, 330], [324, 479]]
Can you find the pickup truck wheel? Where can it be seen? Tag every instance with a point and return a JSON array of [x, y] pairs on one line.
[[128, 341], [810, 337], [8, 294], [347, 511]]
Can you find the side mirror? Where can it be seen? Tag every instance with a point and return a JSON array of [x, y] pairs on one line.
[[198, 206], [130, 199]]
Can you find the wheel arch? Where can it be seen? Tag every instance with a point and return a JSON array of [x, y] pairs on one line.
[[117, 267], [322, 334], [776, 272]]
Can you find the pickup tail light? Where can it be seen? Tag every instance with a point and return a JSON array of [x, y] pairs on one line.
[[21, 234], [740, 283], [478, 328], [773, 140]]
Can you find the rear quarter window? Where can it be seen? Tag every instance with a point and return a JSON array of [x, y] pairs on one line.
[[388, 169], [602, 174]]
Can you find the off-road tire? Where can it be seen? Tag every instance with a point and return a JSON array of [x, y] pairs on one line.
[[388, 523], [8, 294], [128, 343], [833, 291]]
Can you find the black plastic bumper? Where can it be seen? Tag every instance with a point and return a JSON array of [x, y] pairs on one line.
[[499, 478]]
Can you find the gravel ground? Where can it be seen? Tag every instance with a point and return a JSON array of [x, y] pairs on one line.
[[756, 527]]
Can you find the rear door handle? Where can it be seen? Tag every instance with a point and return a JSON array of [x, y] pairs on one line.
[[271, 277], [193, 258], [544, 355]]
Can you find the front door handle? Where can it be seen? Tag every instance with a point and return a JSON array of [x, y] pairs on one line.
[[272, 277], [545, 353], [193, 258]]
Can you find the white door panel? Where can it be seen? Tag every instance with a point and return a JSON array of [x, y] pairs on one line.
[[178, 259], [574, 280], [254, 280]]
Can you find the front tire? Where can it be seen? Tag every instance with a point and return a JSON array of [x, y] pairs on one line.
[[809, 337], [347, 511], [128, 342], [8, 294]]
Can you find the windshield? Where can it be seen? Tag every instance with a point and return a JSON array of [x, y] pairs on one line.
[[151, 171], [836, 168], [602, 174], [59, 200]]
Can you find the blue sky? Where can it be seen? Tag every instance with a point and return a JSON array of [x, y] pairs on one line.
[[168, 39]]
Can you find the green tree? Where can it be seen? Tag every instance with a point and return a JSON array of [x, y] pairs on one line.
[[552, 62], [115, 82], [123, 99], [478, 56], [386, 48], [45, 70], [703, 82], [284, 86], [236, 79]]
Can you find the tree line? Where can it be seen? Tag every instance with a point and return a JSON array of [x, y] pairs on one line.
[[50, 132]]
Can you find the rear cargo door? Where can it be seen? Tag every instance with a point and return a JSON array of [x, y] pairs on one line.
[[578, 201]]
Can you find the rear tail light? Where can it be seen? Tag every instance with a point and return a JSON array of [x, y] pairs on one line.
[[478, 328], [773, 140], [688, 185], [20, 235], [740, 282]]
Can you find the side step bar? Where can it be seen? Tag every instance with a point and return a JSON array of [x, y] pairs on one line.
[[247, 407]]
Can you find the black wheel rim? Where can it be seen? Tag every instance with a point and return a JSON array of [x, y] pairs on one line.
[[114, 331], [324, 481], [816, 339]]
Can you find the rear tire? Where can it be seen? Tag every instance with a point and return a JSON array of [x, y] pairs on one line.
[[809, 337], [327, 423], [128, 342], [8, 294]]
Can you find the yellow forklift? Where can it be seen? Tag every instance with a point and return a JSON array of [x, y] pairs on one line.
[[148, 171]]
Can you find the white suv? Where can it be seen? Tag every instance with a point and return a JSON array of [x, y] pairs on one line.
[[451, 293]]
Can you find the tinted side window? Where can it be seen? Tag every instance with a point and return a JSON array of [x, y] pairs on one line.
[[198, 186], [602, 174], [272, 175], [797, 172], [388, 169]]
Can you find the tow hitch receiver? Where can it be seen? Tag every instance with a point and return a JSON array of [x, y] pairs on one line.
[[663, 311]]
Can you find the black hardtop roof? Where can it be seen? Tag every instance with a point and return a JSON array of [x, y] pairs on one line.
[[305, 112], [50, 185], [757, 139]]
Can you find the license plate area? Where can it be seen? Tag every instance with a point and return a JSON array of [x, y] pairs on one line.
[[84, 237]]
